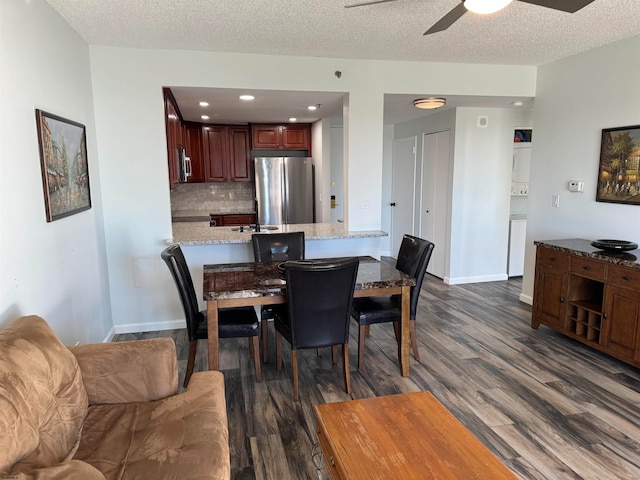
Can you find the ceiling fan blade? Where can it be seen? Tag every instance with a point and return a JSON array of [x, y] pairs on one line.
[[569, 6], [448, 20], [371, 2]]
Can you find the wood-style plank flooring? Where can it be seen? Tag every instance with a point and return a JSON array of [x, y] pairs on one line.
[[545, 405]]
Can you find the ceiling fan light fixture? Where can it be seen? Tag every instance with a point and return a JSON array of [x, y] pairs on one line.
[[430, 103], [485, 6]]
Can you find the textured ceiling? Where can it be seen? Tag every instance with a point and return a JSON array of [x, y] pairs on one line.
[[521, 34]]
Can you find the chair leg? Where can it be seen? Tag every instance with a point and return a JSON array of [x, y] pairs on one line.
[[345, 367], [254, 343], [414, 340], [318, 352], [396, 330], [334, 354], [361, 336], [367, 329], [294, 364], [264, 333], [252, 352], [279, 351]]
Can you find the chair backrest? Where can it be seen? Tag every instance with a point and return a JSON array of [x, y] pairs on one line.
[[271, 247], [319, 299], [174, 258], [413, 259]]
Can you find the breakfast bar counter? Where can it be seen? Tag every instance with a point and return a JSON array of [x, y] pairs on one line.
[[200, 233]]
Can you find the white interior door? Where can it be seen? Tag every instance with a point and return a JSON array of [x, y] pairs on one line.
[[403, 190], [434, 213]]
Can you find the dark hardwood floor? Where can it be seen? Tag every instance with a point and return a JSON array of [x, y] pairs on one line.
[[547, 406]]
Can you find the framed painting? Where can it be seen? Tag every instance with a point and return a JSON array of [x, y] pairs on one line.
[[618, 180], [63, 160]]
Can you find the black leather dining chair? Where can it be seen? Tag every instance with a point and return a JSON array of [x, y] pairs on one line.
[[413, 259], [272, 247], [234, 322], [319, 299]]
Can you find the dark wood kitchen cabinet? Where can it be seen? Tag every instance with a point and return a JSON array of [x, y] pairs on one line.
[[281, 137], [174, 134], [193, 147], [589, 297], [226, 153]]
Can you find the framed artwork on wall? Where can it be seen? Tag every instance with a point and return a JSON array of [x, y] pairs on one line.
[[63, 160], [618, 180]]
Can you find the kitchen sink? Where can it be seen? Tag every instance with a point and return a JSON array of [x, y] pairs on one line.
[[252, 228]]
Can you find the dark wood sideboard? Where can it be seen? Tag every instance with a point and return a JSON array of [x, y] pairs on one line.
[[590, 295]]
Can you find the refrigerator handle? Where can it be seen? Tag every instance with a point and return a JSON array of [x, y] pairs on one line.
[[285, 192]]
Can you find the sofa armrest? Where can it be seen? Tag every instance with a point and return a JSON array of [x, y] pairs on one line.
[[127, 372], [71, 470]]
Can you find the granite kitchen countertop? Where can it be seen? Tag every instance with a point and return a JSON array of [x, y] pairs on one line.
[[583, 248], [200, 233]]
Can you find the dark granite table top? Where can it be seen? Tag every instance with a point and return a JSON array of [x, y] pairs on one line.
[[583, 248], [260, 279]]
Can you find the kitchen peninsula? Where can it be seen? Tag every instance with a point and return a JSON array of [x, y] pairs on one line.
[[200, 233], [203, 244]]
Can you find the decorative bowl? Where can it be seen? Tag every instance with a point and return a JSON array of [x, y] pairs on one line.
[[614, 245]]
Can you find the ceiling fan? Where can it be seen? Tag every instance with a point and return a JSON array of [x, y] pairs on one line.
[[487, 6]]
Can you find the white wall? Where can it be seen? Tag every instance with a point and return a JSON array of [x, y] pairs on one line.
[[576, 98], [58, 269]]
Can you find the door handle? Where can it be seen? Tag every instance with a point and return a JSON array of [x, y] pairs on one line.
[[393, 204]]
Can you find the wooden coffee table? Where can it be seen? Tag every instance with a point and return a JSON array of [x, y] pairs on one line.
[[406, 436]]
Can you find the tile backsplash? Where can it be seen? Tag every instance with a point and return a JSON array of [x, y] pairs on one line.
[[218, 198]]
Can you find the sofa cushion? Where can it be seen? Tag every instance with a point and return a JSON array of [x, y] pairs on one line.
[[42, 398], [183, 436]]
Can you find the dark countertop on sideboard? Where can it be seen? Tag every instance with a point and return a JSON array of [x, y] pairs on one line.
[[583, 248]]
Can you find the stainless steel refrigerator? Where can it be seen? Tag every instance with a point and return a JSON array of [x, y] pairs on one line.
[[285, 190]]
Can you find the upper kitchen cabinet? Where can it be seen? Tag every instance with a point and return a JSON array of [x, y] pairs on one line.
[[193, 147], [281, 137], [226, 153], [174, 137]]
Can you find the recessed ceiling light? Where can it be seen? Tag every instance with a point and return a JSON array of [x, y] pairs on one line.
[[204, 104], [246, 97], [293, 119], [312, 107], [429, 103], [204, 117], [517, 103]]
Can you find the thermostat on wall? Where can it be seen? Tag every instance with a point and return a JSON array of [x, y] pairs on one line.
[[576, 186]]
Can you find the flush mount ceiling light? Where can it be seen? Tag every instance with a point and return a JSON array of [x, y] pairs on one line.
[[312, 107], [293, 119], [204, 117], [485, 6], [204, 104], [246, 97], [430, 103]]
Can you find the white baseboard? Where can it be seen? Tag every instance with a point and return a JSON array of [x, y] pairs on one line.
[[149, 327], [528, 299], [480, 279], [109, 336]]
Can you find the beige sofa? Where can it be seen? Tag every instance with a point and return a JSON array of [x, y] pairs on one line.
[[105, 411]]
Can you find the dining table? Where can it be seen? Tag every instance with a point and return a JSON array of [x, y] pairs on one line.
[[262, 283]]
